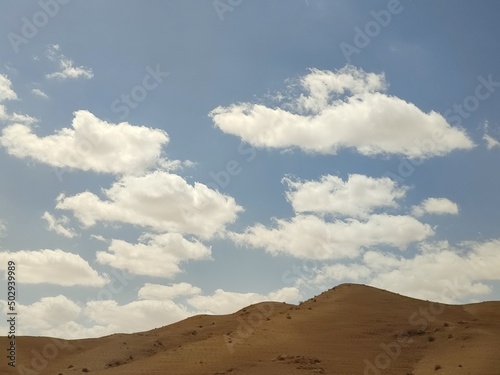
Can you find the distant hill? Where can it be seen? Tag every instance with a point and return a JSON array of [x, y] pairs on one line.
[[349, 329]]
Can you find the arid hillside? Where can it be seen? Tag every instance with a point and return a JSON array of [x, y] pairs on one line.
[[349, 329]]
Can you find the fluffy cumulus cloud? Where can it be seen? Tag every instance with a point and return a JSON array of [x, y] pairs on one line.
[[167, 292], [440, 271], [159, 200], [49, 312], [135, 316], [59, 225], [91, 144], [356, 197], [348, 108], [436, 206], [323, 276], [437, 272], [67, 68], [52, 267], [63, 318], [223, 302], [6, 92], [355, 225], [310, 237], [159, 256]]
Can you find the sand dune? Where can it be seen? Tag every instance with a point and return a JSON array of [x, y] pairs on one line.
[[349, 329]]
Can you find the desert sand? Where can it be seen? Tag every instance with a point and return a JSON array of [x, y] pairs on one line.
[[349, 329]]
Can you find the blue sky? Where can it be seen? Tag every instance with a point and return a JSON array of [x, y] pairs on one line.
[[164, 159]]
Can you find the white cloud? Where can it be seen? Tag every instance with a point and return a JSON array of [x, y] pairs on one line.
[[22, 119], [58, 225], [439, 272], [98, 237], [3, 228], [343, 109], [59, 317], [329, 273], [160, 256], [491, 142], [40, 93], [9, 67], [135, 316], [159, 200], [73, 330], [435, 206], [90, 145], [307, 236], [167, 292], [3, 114], [356, 197], [6, 92], [222, 302], [15, 117], [48, 312], [52, 267], [66, 66]]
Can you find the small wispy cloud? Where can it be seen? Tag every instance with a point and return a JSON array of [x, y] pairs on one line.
[[98, 237], [9, 67], [491, 142], [68, 69], [3, 228], [58, 225], [436, 206], [40, 93]]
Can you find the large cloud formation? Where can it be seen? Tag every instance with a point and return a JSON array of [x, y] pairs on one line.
[[357, 197], [59, 316], [52, 267], [438, 271], [347, 108], [159, 256], [162, 201], [312, 234], [91, 144]]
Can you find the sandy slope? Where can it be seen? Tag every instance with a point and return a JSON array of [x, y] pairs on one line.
[[350, 329]]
